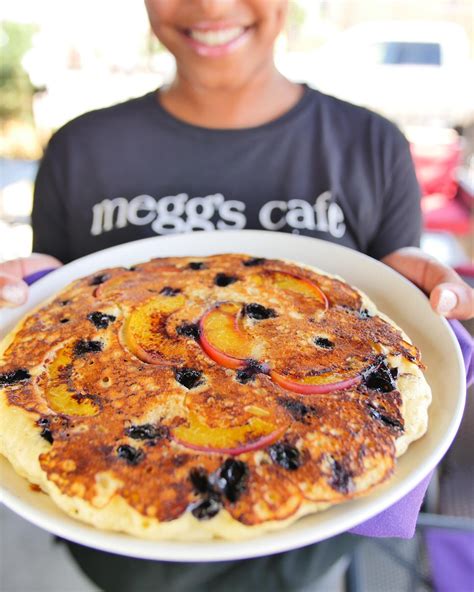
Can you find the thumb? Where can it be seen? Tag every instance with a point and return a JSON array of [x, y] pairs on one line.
[[453, 300], [24, 266], [13, 292]]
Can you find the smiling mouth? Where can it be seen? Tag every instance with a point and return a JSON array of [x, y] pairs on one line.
[[216, 37]]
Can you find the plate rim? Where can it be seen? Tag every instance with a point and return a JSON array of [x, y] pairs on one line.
[[221, 550]]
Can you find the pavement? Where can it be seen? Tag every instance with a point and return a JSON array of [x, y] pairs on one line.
[[31, 560]]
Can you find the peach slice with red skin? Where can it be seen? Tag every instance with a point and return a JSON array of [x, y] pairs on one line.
[[222, 337], [293, 283], [313, 385], [223, 340], [253, 435], [145, 331]]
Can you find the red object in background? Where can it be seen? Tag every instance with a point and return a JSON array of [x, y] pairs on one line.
[[436, 165], [445, 214]]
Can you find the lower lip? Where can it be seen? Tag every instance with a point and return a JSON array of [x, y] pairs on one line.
[[217, 51]]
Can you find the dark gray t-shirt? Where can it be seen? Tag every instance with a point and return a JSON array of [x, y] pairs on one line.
[[326, 169]]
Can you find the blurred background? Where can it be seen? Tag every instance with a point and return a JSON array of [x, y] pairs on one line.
[[411, 61]]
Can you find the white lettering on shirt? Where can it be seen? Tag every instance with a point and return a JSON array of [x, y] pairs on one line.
[[141, 203], [103, 215], [231, 211], [182, 213], [336, 220], [199, 211], [170, 210], [300, 214], [321, 209], [266, 213]]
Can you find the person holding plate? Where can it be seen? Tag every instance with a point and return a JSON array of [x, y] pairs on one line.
[[230, 143]]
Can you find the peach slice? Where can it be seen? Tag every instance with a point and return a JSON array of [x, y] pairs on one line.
[[253, 435], [145, 331], [314, 385], [294, 283], [61, 397], [222, 337]]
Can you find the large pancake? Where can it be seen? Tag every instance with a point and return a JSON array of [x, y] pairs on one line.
[[218, 397]]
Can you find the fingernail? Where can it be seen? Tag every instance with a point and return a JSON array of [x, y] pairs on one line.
[[447, 301], [12, 294]]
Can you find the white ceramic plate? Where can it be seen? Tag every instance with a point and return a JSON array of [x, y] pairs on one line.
[[392, 294]]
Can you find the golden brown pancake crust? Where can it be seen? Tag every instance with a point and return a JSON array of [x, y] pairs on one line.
[[137, 413]]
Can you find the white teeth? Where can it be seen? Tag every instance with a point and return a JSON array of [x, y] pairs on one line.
[[217, 36]]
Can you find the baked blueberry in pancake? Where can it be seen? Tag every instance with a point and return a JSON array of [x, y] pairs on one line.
[[213, 397]]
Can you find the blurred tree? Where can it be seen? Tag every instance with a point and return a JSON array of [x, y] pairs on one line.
[[295, 21], [16, 90]]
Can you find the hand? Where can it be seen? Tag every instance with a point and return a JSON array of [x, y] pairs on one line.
[[13, 290], [449, 295]]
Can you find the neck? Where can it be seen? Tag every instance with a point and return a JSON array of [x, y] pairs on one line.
[[264, 97]]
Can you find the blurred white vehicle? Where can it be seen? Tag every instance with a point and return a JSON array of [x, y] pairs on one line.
[[415, 72]]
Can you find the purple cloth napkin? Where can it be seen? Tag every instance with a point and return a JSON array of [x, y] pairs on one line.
[[451, 554], [466, 342], [454, 548], [400, 519], [34, 277]]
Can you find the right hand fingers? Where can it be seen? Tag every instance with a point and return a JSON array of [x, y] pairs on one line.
[[13, 290]]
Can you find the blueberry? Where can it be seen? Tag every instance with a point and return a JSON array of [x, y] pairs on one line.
[[169, 291], [222, 280], [378, 377], [147, 431], [250, 371], [189, 330], [285, 455], [298, 410], [258, 312], [14, 376], [364, 314], [87, 347], [323, 342], [341, 478], [100, 319], [231, 478], [130, 454], [99, 279], [196, 265], [188, 377], [47, 435], [63, 321], [207, 509], [200, 480], [387, 420], [253, 262], [245, 375]]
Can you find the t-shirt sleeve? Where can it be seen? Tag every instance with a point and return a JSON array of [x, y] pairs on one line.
[[49, 216], [400, 217]]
